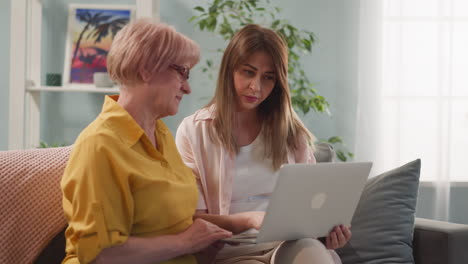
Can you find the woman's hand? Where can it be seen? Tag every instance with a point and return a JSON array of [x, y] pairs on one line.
[[200, 235], [244, 221], [338, 237]]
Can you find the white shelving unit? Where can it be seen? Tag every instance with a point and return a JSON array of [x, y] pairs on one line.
[[72, 88], [25, 70]]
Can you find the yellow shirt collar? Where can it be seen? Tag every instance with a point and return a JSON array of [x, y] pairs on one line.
[[123, 123]]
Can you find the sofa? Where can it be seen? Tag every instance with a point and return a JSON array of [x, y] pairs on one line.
[[33, 224]]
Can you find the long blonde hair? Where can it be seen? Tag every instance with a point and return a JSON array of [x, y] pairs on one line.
[[281, 127]]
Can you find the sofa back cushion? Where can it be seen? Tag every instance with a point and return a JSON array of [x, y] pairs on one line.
[[383, 222], [31, 203]]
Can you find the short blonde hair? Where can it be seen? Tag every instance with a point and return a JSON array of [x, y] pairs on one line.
[[146, 46]]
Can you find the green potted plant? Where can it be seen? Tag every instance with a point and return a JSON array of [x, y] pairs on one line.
[[226, 17], [44, 144]]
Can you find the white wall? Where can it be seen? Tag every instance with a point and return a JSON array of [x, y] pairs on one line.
[[4, 71]]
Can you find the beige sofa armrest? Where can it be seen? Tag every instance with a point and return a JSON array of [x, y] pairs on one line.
[[440, 242]]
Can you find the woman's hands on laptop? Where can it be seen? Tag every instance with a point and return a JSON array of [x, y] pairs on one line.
[[242, 222], [338, 237], [236, 223]]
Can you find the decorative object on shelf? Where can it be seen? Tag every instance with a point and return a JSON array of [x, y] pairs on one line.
[[102, 79], [91, 29], [53, 79]]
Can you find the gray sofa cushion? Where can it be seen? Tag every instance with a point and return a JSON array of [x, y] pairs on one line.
[[383, 223]]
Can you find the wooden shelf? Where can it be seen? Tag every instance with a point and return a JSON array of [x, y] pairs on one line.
[[74, 88]]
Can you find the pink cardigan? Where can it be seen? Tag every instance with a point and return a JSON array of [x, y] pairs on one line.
[[213, 165]]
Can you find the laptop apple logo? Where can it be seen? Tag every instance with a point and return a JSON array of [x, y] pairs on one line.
[[318, 200]]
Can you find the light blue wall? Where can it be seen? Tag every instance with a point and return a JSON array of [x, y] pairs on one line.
[[4, 71], [316, 16], [331, 66], [66, 114], [202, 87]]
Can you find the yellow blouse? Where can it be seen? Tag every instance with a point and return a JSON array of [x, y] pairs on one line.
[[117, 184]]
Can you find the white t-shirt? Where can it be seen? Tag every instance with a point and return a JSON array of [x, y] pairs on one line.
[[254, 179]]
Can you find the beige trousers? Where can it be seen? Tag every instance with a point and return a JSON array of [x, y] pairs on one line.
[[303, 251]]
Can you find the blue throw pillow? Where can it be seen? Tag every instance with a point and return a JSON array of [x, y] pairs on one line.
[[383, 223]]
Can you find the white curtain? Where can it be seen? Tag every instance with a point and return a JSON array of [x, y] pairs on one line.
[[368, 130], [413, 90]]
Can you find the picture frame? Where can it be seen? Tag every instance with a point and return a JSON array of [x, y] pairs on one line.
[[91, 29]]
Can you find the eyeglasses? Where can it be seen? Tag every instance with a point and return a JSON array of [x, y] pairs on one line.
[[183, 71]]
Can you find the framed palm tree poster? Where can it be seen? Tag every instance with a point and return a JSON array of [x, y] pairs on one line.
[[91, 29]]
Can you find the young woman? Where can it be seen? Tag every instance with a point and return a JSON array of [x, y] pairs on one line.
[[236, 144]]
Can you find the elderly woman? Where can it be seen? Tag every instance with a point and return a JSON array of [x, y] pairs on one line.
[[127, 194]]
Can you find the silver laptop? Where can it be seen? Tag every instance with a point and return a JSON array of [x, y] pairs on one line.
[[309, 200]]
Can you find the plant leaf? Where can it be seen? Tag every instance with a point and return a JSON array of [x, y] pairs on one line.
[[341, 155], [199, 8], [335, 139]]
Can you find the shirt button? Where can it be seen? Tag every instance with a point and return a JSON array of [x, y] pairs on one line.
[[164, 163]]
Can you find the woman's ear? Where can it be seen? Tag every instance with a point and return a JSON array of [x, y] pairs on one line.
[[145, 75]]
